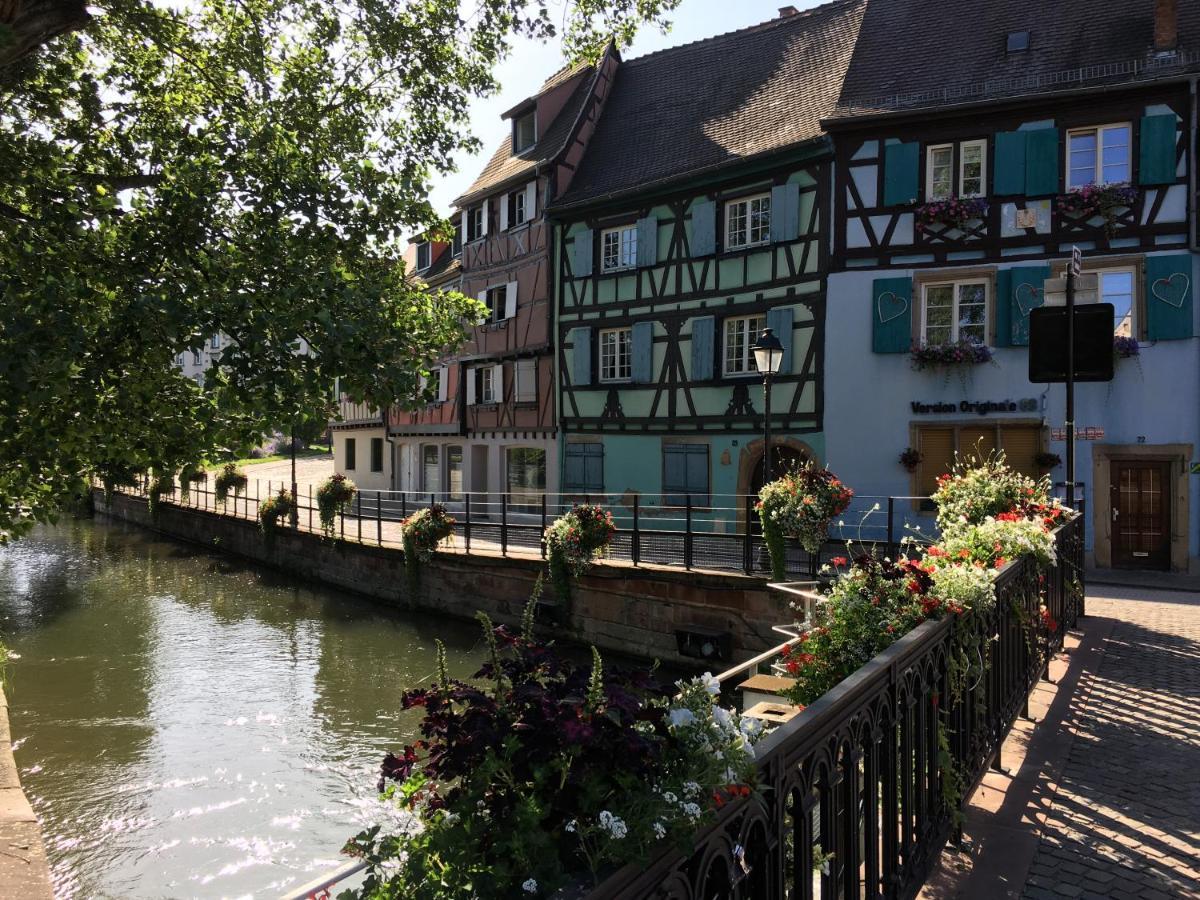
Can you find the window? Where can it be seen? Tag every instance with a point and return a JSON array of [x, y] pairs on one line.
[[526, 478], [685, 474], [584, 471], [938, 445], [458, 241], [615, 363], [1017, 41], [196, 358], [496, 301], [424, 256], [215, 342], [618, 247], [524, 132], [740, 335], [516, 208], [350, 454], [454, 472], [487, 385], [1117, 287], [429, 468], [475, 223], [946, 178], [376, 454], [1098, 155], [747, 221], [955, 311], [526, 375]]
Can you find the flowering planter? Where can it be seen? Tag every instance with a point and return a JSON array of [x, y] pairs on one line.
[[963, 354], [1098, 205], [952, 217]]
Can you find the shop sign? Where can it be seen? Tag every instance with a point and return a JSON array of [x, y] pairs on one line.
[[978, 407]]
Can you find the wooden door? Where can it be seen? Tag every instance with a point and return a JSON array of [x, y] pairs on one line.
[[1141, 514]]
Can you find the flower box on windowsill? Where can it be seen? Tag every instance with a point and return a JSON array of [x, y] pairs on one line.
[[1126, 347], [940, 356], [1099, 205], [939, 217]]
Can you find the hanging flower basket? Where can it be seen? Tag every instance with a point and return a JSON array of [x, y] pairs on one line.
[[1047, 461], [332, 496], [950, 214], [911, 458], [273, 510], [573, 540], [940, 356], [422, 532], [1098, 201], [801, 504], [231, 478]]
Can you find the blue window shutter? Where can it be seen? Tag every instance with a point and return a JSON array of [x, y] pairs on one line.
[[891, 315], [697, 473], [1169, 297], [704, 228], [573, 475], [581, 255], [642, 362], [901, 163], [779, 320], [1003, 336], [1010, 163], [1041, 162], [1025, 293], [581, 361], [1156, 156], [674, 474], [703, 331], [647, 241], [785, 212], [585, 468]]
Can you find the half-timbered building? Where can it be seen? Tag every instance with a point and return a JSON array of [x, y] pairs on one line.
[[970, 159], [698, 217]]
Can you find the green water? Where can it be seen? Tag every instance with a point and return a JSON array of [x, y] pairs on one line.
[[189, 726]]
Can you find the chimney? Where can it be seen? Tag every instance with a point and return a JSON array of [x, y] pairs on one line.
[[1166, 25], [786, 11]]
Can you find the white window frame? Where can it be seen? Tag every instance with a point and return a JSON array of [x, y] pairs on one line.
[[514, 203], [196, 359], [731, 207], [746, 360], [427, 247], [956, 316], [487, 385], [1132, 272], [957, 162], [531, 116], [474, 233], [427, 488], [1098, 167], [611, 371], [215, 341], [626, 247]]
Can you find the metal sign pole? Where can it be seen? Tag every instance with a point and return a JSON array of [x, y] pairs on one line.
[[1072, 271]]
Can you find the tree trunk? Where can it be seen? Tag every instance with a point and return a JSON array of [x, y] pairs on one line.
[[31, 23]]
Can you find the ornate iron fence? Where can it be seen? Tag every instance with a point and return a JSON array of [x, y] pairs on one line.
[[859, 790]]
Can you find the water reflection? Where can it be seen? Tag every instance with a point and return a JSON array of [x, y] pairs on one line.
[[193, 727]]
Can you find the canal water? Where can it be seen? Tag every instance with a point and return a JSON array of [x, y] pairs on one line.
[[190, 726]]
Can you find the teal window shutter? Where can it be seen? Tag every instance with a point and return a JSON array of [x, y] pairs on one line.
[[685, 473], [704, 228], [642, 361], [1010, 163], [779, 320], [573, 470], [647, 241], [785, 212], [584, 468], [1025, 293], [901, 163], [581, 257], [581, 356], [1169, 297], [1041, 162], [891, 315], [1004, 307], [703, 331], [1156, 156]]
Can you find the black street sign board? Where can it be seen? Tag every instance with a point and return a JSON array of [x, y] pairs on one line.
[[1093, 343]]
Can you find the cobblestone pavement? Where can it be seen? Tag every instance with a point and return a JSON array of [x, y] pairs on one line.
[[1124, 820]]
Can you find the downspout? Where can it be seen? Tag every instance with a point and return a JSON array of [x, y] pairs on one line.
[[1193, 230], [387, 436]]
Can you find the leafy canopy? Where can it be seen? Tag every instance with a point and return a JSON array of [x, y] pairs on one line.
[[244, 167]]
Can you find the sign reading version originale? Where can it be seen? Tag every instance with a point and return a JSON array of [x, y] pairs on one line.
[[979, 407]]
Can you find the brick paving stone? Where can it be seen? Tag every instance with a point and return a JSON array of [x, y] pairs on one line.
[[1124, 822]]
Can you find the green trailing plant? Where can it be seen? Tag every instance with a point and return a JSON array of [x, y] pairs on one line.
[[332, 496], [421, 533], [273, 510], [230, 479], [573, 541], [800, 504], [189, 475], [159, 485]]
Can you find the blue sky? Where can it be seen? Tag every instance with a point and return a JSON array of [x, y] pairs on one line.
[[531, 62]]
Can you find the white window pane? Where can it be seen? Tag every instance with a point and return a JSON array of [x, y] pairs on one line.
[[937, 335]]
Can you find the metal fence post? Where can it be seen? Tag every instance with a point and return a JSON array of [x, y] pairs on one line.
[[358, 512], [747, 540], [310, 507], [379, 518], [687, 536], [891, 542], [635, 542], [504, 524], [467, 524], [542, 541], [403, 505]]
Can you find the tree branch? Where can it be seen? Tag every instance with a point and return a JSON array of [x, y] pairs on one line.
[[35, 22]]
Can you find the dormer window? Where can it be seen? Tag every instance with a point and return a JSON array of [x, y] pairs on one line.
[[424, 256], [524, 132], [475, 223]]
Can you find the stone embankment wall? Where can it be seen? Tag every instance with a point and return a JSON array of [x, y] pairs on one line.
[[24, 871], [616, 606]]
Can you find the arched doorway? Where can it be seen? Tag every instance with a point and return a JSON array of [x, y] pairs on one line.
[[783, 459]]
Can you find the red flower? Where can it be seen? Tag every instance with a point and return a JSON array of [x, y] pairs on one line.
[[839, 561]]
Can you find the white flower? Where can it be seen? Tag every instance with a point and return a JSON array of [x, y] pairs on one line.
[[692, 810], [751, 728], [614, 825], [570, 826], [668, 797], [710, 683], [530, 886], [680, 716], [660, 830], [723, 716], [691, 788], [606, 818]]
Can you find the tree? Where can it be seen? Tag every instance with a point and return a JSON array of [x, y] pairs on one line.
[[235, 166]]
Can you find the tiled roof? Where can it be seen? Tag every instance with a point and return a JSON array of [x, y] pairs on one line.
[[504, 167], [715, 102], [915, 54]]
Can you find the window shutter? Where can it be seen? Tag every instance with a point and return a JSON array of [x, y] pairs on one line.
[[574, 473], [647, 241], [891, 315], [901, 163], [510, 300], [779, 320], [704, 228], [703, 330], [1169, 297], [1021, 445], [443, 383], [472, 375], [1010, 163], [482, 296], [1041, 162], [785, 212], [581, 361], [1025, 293], [530, 201], [697, 473], [937, 457], [498, 395], [526, 373], [486, 210], [585, 467], [1003, 315], [642, 361], [504, 213], [1156, 157], [463, 228], [581, 262]]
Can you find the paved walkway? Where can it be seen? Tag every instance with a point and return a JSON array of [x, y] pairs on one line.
[[1102, 798]]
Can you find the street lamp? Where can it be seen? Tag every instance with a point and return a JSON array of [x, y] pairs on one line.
[[768, 357]]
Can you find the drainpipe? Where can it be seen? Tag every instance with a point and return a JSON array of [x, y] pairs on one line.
[[387, 436], [1193, 231]]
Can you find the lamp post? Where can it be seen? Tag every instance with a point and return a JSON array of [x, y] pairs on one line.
[[768, 357]]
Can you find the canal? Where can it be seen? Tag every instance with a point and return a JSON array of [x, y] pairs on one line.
[[189, 726]]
